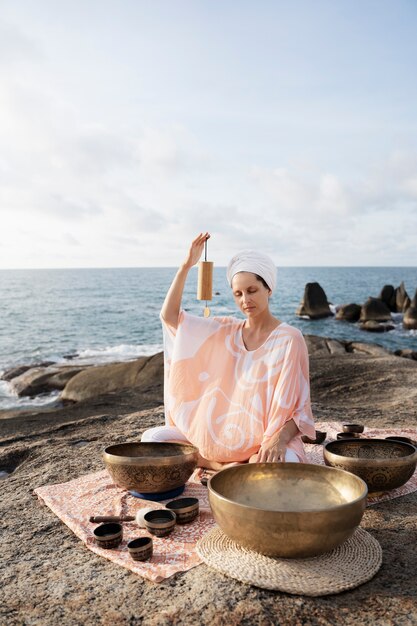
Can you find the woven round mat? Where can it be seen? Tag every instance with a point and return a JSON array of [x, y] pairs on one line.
[[353, 563]]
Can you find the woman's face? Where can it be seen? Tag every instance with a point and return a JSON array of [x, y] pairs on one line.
[[250, 295]]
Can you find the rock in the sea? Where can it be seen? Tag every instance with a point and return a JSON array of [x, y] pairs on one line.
[[402, 300], [142, 374], [387, 295], [376, 327], [375, 310], [410, 315], [314, 303], [407, 353], [14, 372], [349, 312], [38, 380]]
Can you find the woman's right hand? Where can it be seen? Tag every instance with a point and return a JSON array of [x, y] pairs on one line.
[[196, 250]]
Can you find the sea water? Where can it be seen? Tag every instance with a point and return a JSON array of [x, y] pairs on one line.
[[104, 315]]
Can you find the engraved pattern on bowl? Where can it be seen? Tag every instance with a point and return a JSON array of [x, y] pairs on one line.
[[150, 467], [383, 464]]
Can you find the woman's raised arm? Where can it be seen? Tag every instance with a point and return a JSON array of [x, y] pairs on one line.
[[172, 303]]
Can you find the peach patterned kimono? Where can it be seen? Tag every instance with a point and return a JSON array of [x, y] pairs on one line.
[[227, 400]]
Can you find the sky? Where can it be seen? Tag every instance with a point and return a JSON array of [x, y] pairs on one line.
[[128, 127]]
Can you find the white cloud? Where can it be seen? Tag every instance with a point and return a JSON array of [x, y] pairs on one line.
[[112, 187]]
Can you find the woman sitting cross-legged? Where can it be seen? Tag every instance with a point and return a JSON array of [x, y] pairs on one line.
[[236, 389]]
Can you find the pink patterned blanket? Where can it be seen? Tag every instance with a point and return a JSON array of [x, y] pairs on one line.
[[94, 494]]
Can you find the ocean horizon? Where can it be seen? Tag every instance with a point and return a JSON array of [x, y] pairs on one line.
[[101, 315]]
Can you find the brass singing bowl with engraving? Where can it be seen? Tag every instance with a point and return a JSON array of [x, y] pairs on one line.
[[150, 467], [381, 463], [290, 510]]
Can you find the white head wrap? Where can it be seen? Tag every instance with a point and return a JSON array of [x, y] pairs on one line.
[[255, 262]]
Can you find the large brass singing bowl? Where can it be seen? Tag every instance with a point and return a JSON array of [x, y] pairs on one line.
[[290, 510], [150, 467], [381, 463]]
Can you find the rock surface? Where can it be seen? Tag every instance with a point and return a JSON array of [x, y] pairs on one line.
[[374, 310], [314, 303], [349, 312], [376, 327], [410, 315], [387, 295], [103, 379], [50, 578], [402, 300], [37, 380]]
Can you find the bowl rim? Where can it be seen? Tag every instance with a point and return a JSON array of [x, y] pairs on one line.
[[189, 451], [171, 521], [108, 537], [182, 508], [371, 462], [355, 426], [146, 543], [338, 507]]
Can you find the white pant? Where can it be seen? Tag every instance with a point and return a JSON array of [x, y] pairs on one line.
[[165, 434]]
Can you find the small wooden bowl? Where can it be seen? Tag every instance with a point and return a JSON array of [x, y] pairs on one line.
[[347, 435], [186, 509], [160, 522], [353, 428], [108, 535], [140, 549], [320, 437]]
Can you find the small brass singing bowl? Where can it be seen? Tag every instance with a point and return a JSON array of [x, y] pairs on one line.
[[320, 437], [140, 549], [382, 463], [403, 439], [290, 510], [347, 435], [353, 428], [160, 522], [108, 535], [186, 509], [150, 467]]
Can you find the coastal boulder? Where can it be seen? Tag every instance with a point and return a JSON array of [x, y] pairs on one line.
[[376, 327], [143, 374], [323, 346], [387, 295], [38, 380], [407, 353], [410, 315], [14, 372], [370, 349], [374, 310], [349, 312], [402, 300], [314, 303]]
